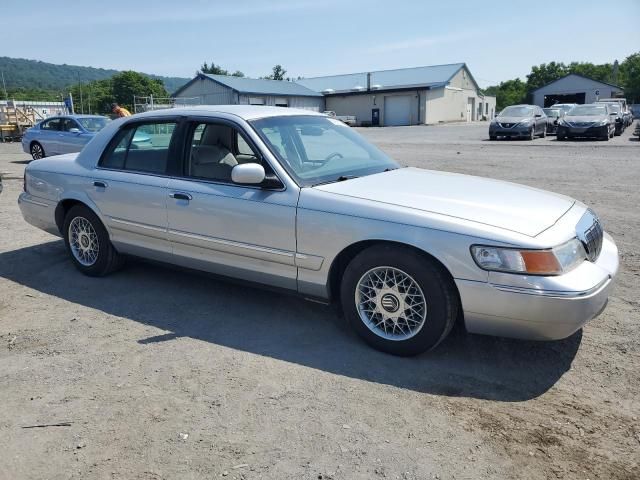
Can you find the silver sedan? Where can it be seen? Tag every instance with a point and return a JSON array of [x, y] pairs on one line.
[[297, 200]]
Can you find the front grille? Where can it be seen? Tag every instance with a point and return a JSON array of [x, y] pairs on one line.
[[590, 233], [507, 125], [581, 124]]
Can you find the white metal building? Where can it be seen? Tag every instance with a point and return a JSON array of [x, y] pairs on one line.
[[407, 96], [228, 90], [36, 110], [574, 88]]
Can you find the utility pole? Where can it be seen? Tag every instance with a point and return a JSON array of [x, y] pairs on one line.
[[4, 87], [80, 87]]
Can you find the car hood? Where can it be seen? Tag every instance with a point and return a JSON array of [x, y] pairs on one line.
[[585, 118], [512, 119], [505, 205]]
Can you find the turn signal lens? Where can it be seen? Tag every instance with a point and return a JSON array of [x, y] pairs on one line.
[[554, 261], [541, 262]]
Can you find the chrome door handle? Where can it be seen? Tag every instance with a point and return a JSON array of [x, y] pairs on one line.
[[181, 196]]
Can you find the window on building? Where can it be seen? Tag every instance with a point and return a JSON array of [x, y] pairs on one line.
[[256, 101], [282, 102]]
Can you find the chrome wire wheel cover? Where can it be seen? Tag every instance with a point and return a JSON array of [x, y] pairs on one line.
[[36, 151], [391, 303], [83, 241]]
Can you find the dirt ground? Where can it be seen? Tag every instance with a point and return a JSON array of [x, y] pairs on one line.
[[153, 373]]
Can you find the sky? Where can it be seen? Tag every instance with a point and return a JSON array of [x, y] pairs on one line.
[[498, 40]]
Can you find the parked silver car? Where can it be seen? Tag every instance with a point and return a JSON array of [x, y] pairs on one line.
[[297, 200], [519, 121]]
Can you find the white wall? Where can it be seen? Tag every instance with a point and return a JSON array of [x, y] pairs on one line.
[[361, 105]]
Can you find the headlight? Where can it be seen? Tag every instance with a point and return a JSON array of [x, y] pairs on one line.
[[554, 261], [604, 122], [525, 121], [562, 122]]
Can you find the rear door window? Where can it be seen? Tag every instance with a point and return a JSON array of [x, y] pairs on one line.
[[141, 148]]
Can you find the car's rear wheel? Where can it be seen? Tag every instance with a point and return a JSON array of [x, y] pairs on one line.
[[88, 243], [397, 300], [37, 151]]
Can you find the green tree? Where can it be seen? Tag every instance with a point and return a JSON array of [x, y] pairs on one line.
[[545, 73], [602, 73], [218, 70], [278, 73], [96, 97], [126, 84], [508, 93], [629, 76]]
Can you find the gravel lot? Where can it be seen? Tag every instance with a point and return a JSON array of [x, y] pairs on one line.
[[165, 374]]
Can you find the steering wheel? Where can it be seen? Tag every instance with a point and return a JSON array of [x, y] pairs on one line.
[[331, 156]]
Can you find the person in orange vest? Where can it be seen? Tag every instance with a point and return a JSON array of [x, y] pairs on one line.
[[120, 111]]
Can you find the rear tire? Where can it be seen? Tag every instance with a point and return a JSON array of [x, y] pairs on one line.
[[397, 300], [37, 152], [88, 243]]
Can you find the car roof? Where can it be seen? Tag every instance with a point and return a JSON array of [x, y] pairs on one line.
[[246, 112]]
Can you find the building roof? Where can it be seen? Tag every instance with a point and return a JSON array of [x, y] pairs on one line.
[[255, 86], [428, 76], [577, 75]]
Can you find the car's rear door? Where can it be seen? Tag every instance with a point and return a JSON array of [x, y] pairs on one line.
[[129, 186], [247, 232], [48, 136]]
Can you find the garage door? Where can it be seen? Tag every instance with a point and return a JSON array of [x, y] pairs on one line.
[[397, 110]]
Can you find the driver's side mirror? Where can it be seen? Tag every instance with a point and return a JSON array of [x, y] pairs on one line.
[[74, 130], [254, 174], [538, 115]]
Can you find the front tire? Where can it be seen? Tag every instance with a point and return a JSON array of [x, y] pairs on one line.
[[532, 135], [397, 300], [88, 243], [37, 151]]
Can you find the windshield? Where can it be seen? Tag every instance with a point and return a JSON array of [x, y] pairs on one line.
[[517, 112], [614, 107], [564, 108], [92, 124], [319, 149], [551, 112], [588, 110]]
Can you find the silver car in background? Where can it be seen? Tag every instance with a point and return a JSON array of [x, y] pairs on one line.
[[299, 201]]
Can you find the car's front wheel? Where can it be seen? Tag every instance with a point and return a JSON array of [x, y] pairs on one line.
[[37, 151], [88, 243], [532, 134], [397, 300]]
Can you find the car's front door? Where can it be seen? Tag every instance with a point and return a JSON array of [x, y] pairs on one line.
[[129, 187], [71, 138], [241, 231]]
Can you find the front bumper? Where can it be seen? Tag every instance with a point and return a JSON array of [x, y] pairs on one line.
[[550, 313], [586, 132], [515, 131]]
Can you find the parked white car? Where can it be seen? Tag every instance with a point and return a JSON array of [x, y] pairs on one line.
[[296, 200]]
